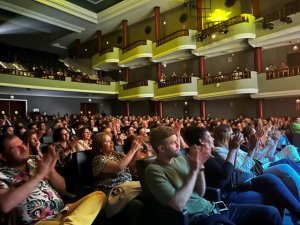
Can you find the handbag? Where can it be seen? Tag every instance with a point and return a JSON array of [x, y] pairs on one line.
[[120, 196], [257, 169]]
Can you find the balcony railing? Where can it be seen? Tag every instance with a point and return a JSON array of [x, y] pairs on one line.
[[238, 75], [283, 72], [284, 11], [213, 27], [135, 84], [106, 50], [134, 45], [170, 37], [51, 76], [175, 81], [42, 74]]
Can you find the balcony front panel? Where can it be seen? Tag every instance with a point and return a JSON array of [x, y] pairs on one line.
[[176, 49], [281, 87], [107, 61], [56, 85], [137, 93], [281, 34], [137, 57], [234, 39], [176, 90], [230, 88]]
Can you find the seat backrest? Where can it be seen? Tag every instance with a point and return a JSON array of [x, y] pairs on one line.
[[82, 170], [141, 165]]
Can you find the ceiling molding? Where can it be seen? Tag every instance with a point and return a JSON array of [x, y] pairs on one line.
[[118, 9], [38, 16], [72, 9]]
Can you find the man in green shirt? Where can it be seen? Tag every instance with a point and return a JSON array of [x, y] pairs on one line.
[[178, 181]]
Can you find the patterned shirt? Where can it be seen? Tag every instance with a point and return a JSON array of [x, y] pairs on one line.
[[105, 181], [42, 204]]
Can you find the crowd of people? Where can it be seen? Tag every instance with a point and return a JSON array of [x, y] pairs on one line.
[[253, 161]]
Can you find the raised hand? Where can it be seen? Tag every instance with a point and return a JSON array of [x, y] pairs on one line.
[[193, 159], [46, 163], [236, 141], [275, 135]]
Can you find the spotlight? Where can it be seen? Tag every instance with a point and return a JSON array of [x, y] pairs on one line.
[[267, 25], [286, 19]]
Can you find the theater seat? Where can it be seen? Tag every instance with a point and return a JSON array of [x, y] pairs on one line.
[[80, 181]]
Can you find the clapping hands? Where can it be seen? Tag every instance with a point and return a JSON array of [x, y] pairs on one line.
[[46, 164]]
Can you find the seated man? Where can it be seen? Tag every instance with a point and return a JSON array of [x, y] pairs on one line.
[[29, 185], [178, 181]]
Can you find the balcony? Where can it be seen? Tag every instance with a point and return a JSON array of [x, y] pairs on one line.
[[174, 47], [228, 85], [271, 85], [136, 91], [175, 88], [136, 54], [226, 37], [279, 28], [107, 59], [22, 81]]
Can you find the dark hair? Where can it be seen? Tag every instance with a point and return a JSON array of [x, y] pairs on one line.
[[81, 131], [5, 127], [4, 138], [193, 134], [56, 134], [247, 131]]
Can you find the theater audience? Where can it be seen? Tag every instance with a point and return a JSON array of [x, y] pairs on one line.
[[240, 187], [178, 181], [244, 161]]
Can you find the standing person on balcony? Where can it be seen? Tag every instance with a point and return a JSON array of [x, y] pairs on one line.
[[178, 181]]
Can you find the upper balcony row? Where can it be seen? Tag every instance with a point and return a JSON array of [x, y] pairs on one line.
[[233, 35]]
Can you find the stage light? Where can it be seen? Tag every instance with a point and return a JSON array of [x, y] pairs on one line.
[[286, 19], [268, 25]]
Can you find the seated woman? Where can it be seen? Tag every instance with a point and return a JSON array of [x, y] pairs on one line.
[[33, 143], [111, 170], [64, 147], [84, 141], [244, 161], [266, 188]]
